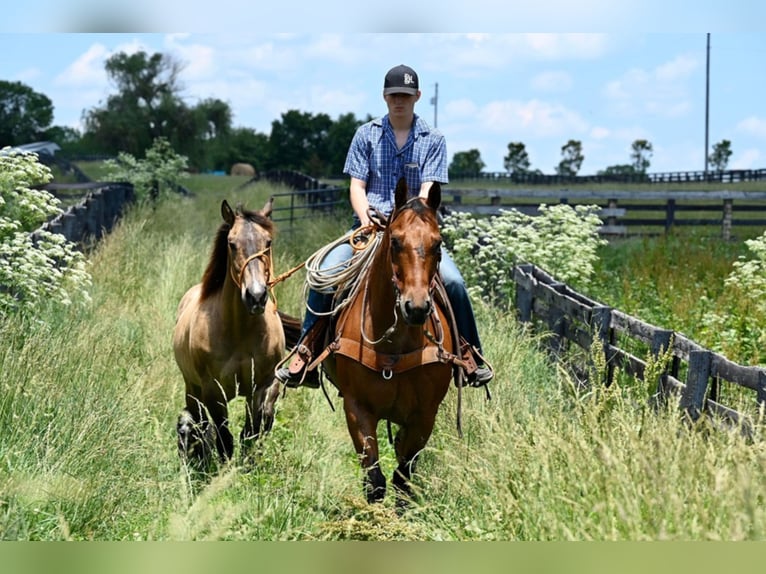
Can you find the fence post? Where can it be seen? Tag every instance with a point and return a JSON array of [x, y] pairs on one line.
[[693, 395], [660, 344], [557, 323], [670, 214], [524, 299], [726, 223], [612, 220], [761, 396], [601, 323]]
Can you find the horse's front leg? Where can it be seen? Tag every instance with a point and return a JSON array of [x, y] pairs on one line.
[[363, 429], [195, 434], [408, 444], [219, 412], [260, 410]]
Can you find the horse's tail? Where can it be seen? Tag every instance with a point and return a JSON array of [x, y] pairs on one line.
[[292, 328]]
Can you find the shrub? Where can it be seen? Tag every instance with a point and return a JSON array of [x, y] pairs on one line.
[[736, 327], [563, 240], [46, 267], [162, 168]]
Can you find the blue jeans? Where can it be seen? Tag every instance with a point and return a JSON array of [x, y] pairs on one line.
[[453, 283]]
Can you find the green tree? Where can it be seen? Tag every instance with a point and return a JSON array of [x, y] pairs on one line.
[[719, 159], [161, 170], [33, 267], [622, 169], [147, 105], [466, 162], [247, 145], [517, 160], [338, 139], [299, 141], [24, 114], [641, 151], [572, 158]]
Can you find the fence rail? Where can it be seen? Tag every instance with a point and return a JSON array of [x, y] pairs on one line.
[[623, 211], [574, 318], [94, 216], [710, 176], [308, 197]]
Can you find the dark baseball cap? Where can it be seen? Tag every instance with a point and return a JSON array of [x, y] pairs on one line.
[[401, 80]]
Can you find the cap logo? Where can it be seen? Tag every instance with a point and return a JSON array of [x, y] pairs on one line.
[[408, 79]]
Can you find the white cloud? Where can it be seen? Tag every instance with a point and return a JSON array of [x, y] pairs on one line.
[[198, 60], [599, 133], [534, 119], [552, 82], [754, 126], [565, 46], [662, 92], [749, 159], [459, 109], [88, 69]]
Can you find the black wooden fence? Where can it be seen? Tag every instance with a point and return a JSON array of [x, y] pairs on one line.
[[573, 318], [308, 198], [710, 176], [627, 212], [95, 215]]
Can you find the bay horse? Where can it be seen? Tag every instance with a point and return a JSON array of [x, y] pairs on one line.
[[393, 353], [229, 336]]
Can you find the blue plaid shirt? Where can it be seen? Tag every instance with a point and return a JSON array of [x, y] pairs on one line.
[[374, 158]]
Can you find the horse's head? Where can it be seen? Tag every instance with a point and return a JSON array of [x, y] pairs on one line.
[[415, 249], [249, 252]]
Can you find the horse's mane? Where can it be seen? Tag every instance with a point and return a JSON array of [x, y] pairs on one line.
[[217, 267]]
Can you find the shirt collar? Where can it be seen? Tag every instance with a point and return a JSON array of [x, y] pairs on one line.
[[421, 128]]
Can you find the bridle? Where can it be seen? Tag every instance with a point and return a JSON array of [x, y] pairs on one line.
[[265, 256]]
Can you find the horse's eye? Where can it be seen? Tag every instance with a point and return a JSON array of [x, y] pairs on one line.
[[268, 244], [232, 246], [396, 245], [437, 247]]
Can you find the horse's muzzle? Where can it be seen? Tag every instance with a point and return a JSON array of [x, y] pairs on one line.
[[416, 314], [255, 300]]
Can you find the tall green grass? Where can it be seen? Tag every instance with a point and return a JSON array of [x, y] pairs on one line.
[[90, 396]]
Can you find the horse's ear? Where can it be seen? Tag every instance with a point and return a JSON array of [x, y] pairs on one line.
[[434, 195], [227, 213], [400, 195], [268, 207]]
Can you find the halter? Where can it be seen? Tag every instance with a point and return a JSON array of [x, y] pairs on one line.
[[262, 254]]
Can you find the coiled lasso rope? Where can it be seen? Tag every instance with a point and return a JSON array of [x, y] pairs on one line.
[[342, 278]]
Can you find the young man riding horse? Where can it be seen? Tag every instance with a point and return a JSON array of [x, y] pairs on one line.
[[400, 144]]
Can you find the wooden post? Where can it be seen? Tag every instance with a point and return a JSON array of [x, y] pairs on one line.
[[670, 214], [558, 324], [524, 299], [693, 395], [761, 396], [726, 222], [611, 221], [660, 345], [601, 323]]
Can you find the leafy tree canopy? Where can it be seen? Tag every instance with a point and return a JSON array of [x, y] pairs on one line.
[[466, 162], [517, 160], [24, 114]]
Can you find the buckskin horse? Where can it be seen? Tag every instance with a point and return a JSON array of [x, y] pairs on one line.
[[229, 336], [392, 353]]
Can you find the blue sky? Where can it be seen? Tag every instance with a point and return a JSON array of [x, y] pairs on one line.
[[542, 89]]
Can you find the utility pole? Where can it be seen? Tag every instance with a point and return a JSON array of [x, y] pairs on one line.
[[707, 102], [435, 102]]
